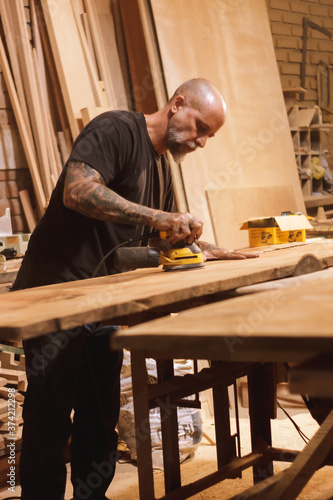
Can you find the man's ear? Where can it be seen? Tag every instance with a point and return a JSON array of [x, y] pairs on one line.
[[177, 103]]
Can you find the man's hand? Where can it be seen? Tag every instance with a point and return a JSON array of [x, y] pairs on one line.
[[180, 225], [213, 252]]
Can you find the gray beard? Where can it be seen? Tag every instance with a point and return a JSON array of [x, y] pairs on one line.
[[175, 142]]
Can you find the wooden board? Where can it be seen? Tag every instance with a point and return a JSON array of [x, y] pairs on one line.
[[230, 43], [230, 207], [27, 146], [41, 310], [280, 325], [69, 59], [34, 102]]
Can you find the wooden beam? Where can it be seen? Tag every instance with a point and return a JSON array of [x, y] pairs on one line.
[[27, 209], [94, 80], [100, 52], [28, 149], [51, 69], [307, 462], [6, 20], [71, 65], [31, 89]]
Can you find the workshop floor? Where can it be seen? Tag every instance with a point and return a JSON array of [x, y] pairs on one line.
[[125, 483]]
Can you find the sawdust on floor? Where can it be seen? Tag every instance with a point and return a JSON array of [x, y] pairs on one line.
[[284, 435]]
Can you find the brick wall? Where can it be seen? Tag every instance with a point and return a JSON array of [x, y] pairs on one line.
[[286, 19]]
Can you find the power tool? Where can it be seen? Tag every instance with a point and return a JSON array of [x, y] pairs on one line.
[[180, 256]]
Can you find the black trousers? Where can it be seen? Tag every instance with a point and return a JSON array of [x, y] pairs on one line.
[[73, 369]]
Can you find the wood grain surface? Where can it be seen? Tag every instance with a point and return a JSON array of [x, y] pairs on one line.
[[288, 324], [41, 310]]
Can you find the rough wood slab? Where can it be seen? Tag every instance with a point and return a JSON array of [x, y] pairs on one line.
[[289, 324], [33, 312]]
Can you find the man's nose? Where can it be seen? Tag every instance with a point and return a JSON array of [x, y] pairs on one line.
[[201, 141]]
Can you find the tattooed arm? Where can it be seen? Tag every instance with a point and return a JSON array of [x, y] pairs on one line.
[[213, 252], [85, 191]]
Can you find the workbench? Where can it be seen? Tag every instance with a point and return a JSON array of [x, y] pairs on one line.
[[251, 333], [137, 296]]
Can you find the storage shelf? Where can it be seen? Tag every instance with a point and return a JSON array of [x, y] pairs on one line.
[[318, 201]]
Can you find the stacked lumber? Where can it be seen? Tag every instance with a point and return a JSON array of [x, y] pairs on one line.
[[13, 385], [57, 61]]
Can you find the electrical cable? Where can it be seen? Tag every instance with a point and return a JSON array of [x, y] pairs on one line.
[[131, 240], [299, 430]]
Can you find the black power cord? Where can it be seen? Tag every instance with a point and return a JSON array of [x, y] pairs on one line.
[[299, 430], [131, 240]]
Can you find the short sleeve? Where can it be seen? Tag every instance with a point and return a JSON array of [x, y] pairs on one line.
[[102, 145]]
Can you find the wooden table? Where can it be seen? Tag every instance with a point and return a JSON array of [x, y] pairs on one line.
[[129, 296], [290, 324], [136, 296]]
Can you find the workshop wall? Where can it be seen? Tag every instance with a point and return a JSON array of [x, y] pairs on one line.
[[286, 20]]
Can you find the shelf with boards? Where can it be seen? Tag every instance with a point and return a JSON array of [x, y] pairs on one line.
[[311, 140]]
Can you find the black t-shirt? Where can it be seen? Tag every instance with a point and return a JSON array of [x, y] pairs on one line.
[[67, 245]]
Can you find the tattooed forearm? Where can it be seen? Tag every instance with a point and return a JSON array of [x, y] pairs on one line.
[[85, 191]]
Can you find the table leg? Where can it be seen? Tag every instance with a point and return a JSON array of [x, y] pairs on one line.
[[169, 426], [261, 387], [142, 428], [225, 442]]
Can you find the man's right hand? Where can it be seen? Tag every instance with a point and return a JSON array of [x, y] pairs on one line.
[[180, 226]]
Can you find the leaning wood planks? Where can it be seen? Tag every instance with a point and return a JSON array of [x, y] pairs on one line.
[[69, 59], [13, 380]]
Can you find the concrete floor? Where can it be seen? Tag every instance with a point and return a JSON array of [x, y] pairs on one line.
[[125, 483]]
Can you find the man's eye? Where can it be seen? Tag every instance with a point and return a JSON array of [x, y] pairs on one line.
[[201, 127]]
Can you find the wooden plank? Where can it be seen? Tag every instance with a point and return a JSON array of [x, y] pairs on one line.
[[58, 307], [141, 410], [231, 206], [307, 462], [12, 375], [71, 65], [51, 70], [100, 52], [107, 27], [293, 324], [27, 146], [50, 169], [31, 89], [46, 104], [254, 147], [88, 114], [158, 84], [143, 91], [94, 80], [326, 495], [4, 394], [27, 209], [12, 51]]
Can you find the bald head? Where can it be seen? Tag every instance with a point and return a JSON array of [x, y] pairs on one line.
[[202, 95]]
